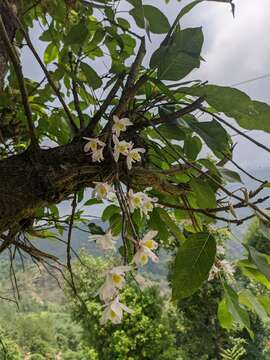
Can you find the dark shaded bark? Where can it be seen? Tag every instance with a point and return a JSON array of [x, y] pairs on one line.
[[36, 179], [33, 180], [11, 31]]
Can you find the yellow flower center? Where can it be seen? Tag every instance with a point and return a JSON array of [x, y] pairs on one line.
[[122, 148], [103, 191], [117, 279], [120, 126], [150, 244], [144, 259], [112, 315], [93, 146], [137, 200]]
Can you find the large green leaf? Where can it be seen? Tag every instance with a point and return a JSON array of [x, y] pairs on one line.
[[192, 264], [51, 53], [177, 59], [174, 229], [109, 212], [235, 104], [251, 302], [229, 175], [248, 269], [214, 135], [224, 316], [92, 77], [156, 20], [260, 260], [238, 313], [205, 195], [77, 35]]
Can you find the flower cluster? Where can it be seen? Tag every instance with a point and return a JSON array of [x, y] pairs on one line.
[[141, 201], [221, 265], [115, 280], [95, 147]]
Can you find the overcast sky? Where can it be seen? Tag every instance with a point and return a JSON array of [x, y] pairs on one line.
[[235, 50]]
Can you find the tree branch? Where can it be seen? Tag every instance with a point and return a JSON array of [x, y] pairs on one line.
[[218, 118], [18, 71]]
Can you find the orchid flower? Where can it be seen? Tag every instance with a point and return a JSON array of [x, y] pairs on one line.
[[106, 241], [134, 156], [121, 147], [114, 312], [102, 190], [120, 125]]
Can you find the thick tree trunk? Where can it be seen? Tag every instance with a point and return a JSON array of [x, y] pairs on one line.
[[33, 180], [36, 179]]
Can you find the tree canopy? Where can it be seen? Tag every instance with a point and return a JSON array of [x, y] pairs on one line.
[[111, 116]]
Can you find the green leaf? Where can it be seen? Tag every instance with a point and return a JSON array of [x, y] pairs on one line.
[[93, 79], [183, 54], [92, 202], [192, 264], [224, 316], [109, 212], [51, 53], [239, 314], [116, 224], [77, 35], [229, 175], [214, 135], [157, 21], [95, 229], [192, 147], [205, 195], [252, 115], [171, 225], [264, 226], [265, 302], [156, 223], [249, 270], [250, 301], [260, 260]]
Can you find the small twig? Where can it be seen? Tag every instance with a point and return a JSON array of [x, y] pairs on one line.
[[106, 103], [243, 170], [236, 130], [127, 93], [74, 90], [71, 222], [47, 74]]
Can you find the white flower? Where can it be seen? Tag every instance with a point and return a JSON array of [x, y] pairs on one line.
[[106, 241], [135, 200], [141, 201], [146, 245], [114, 312], [227, 267], [93, 144], [221, 266], [147, 205], [121, 147], [107, 291], [220, 250], [115, 279], [148, 242], [120, 125], [133, 156], [97, 155], [102, 190], [142, 256]]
